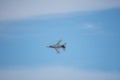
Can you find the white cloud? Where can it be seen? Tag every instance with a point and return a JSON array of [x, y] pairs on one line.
[[55, 73], [89, 26], [19, 9]]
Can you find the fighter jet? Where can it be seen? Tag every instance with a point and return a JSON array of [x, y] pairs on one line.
[[57, 46]]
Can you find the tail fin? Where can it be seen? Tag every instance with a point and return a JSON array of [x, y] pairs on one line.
[[64, 46]]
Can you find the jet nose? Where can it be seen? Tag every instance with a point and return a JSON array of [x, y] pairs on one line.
[[47, 46]]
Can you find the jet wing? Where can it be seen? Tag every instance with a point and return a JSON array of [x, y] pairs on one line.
[[58, 43], [57, 50]]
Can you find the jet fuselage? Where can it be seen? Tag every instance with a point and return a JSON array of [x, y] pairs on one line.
[[57, 46]]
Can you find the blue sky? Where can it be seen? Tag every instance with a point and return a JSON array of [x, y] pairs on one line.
[[91, 33]]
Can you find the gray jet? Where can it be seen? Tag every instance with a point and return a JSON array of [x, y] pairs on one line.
[[57, 46]]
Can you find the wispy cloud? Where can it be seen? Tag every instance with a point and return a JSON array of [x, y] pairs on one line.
[[55, 73], [19, 9], [89, 26]]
